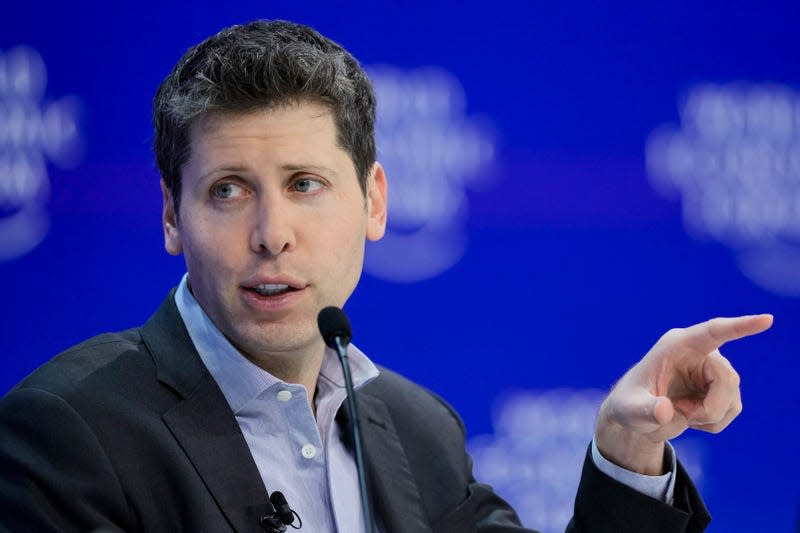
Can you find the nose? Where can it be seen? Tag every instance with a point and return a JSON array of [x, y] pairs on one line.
[[273, 231]]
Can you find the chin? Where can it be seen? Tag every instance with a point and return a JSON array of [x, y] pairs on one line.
[[271, 339]]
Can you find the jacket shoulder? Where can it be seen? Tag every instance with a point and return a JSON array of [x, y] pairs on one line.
[[394, 387], [101, 356], [416, 410]]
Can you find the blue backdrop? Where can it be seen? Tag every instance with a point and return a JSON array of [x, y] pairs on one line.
[[569, 182]]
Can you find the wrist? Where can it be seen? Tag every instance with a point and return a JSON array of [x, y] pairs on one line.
[[628, 449]]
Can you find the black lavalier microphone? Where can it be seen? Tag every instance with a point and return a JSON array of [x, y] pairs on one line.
[[282, 515], [335, 329]]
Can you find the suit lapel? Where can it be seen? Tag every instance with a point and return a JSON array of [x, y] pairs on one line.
[[203, 423], [393, 487], [210, 436]]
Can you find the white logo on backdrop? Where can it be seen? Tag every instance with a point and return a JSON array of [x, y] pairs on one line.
[[32, 132], [735, 161], [431, 152], [535, 456]]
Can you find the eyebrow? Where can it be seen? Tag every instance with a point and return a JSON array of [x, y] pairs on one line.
[[287, 167], [313, 168]]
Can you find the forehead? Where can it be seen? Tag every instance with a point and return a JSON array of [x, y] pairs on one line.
[[295, 133]]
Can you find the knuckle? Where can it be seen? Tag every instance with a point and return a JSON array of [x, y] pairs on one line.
[[672, 334], [730, 377], [714, 326]]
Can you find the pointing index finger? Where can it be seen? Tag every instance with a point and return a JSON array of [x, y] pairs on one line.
[[708, 336]]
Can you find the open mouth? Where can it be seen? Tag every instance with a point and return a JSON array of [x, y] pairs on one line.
[[272, 289]]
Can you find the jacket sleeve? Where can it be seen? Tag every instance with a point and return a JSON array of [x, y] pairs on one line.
[[604, 505], [54, 474]]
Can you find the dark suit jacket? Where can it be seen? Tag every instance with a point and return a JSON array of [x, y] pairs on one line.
[[130, 431]]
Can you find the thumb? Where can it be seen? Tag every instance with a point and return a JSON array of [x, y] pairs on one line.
[[642, 411], [663, 410]]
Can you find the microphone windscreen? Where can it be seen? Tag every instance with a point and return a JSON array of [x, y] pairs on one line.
[[333, 323]]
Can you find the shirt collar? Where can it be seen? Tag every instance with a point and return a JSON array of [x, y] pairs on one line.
[[242, 381]]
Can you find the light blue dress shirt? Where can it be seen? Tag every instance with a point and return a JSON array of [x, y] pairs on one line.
[[303, 456], [295, 453]]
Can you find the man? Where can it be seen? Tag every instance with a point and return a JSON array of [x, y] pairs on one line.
[[264, 136]]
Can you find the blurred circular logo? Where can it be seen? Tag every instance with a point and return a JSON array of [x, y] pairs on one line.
[[432, 151], [34, 130], [735, 162]]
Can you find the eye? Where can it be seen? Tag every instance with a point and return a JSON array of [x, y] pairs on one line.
[[306, 185], [227, 190]]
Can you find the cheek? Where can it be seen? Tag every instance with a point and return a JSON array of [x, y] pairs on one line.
[[349, 255], [337, 245], [208, 253], [349, 235]]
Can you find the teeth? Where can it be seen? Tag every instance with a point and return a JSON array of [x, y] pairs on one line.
[[268, 289]]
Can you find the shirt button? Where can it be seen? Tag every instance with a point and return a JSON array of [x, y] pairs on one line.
[[309, 451], [284, 395]]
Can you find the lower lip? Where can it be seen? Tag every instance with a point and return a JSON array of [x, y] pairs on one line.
[[279, 302]]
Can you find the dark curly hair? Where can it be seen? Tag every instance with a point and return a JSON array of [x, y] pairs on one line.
[[260, 65]]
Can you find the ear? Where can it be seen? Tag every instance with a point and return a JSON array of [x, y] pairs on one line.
[[376, 203], [169, 219]]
